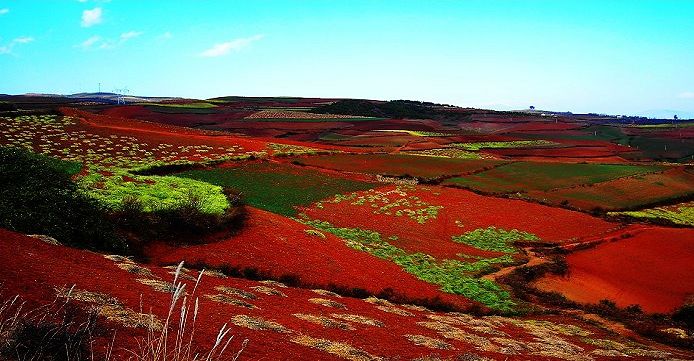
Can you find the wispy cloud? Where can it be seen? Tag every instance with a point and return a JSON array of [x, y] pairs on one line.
[[233, 45], [90, 42], [91, 17], [130, 35], [686, 95], [7, 48], [97, 42], [4, 11]]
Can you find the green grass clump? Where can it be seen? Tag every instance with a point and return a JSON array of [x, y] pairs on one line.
[[38, 196], [453, 276], [277, 188], [494, 239]]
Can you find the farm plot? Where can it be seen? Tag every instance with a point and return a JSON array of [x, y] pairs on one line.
[[278, 188], [399, 165], [449, 240], [626, 193], [529, 176], [293, 115], [425, 218], [651, 269]]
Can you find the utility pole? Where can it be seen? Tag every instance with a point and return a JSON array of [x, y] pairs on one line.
[[99, 87]]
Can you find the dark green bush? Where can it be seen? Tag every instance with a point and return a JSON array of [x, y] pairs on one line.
[[38, 196]]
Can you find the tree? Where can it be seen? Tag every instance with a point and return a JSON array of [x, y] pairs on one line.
[[532, 107]]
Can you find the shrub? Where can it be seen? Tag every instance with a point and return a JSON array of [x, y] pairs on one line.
[[38, 196], [685, 314]]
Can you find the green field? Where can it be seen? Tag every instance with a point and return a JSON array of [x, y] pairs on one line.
[[528, 176], [277, 188]]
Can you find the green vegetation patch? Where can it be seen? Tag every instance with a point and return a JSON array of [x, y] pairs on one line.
[[497, 145], [679, 214], [494, 239], [525, 176], [277, 188], [155, 193], [453, 276]]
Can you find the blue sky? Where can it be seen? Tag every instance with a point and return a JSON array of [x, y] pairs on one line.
[[607, 56]]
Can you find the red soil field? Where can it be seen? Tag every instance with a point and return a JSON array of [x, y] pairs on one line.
[[398, 164], [280, 246], [651, 269], [553, 225], [65, 267]]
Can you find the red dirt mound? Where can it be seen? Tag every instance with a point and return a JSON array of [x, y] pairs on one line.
[[651, 269]]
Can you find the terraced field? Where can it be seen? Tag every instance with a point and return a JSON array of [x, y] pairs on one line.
[[533, 176]]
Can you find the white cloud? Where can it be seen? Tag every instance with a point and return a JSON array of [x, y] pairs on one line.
[[233, 45], [165, 36], [89, 42], [686, 95], [129, 35], [7, 49], [4, 11], [23, 40], [91, 17], [97, 42]]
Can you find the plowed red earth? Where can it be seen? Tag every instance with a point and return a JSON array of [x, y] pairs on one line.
[[33, 269], [652, 269], [279, 246], [473, 211]]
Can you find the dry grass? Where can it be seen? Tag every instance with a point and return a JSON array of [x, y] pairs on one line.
[[338, 349], [215, 273], [395, 310], [454, 333], [174, 342], [45, 239], [378, 301], [268, 291], [230, 301], [416, 308], [117, 258], [273, 283], [326, 293], [236, 292], [429, 342], [136, 269], [357, 319], [112, 309], [327, 303], [258, 324], [326, 322], [158, 285]]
